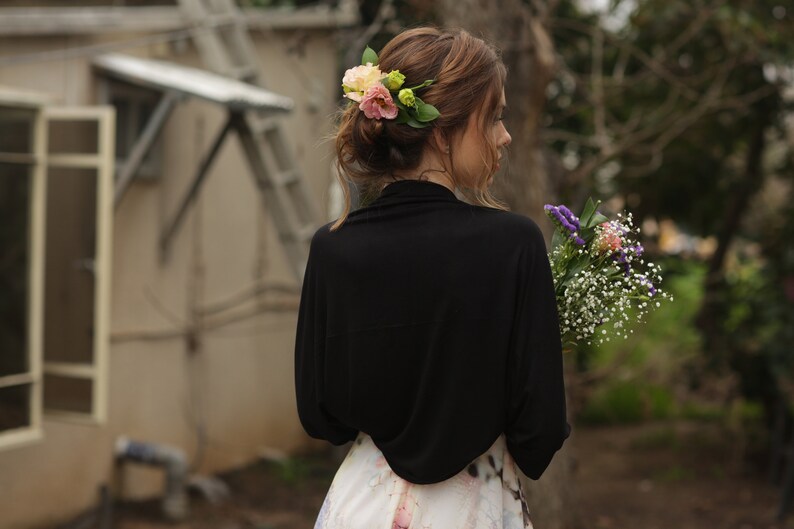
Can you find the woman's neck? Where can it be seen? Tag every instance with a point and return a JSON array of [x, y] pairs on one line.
[[430, 168]]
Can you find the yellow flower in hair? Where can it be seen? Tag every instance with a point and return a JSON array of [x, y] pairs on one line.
[[406, 97], [394, 80]]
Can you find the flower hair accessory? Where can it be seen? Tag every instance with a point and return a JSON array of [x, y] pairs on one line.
[[382, 96]]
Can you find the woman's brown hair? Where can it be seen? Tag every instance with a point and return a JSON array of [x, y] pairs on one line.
[[469, 76]]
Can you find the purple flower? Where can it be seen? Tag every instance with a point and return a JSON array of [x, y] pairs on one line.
[[555, 213], [568, 226], [573, 219], [621, 258], [651, 289], [567, 220]]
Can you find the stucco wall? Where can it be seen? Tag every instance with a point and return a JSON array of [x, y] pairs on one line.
[[230, 385]]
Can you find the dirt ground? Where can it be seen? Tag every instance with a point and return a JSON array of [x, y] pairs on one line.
[[660, 475]]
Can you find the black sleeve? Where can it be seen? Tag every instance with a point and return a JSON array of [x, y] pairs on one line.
[[309, 358], [536, 416]]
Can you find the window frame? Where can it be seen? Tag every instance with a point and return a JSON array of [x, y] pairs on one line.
[[34, 160], [104, 163], [40, 160]]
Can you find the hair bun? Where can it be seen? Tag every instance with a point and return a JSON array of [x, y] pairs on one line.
[[370, 130]]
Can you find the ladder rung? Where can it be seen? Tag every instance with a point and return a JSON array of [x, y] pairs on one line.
[[288, 177], [221, 7], [225, 19]]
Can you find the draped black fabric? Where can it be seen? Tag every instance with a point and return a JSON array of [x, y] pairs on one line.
[[431, 325]]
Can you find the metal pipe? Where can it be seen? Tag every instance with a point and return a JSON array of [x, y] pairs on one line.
[[173, 460]]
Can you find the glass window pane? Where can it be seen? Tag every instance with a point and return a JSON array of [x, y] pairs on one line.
[[14, 256], [14, 407], [69, 265], [67, 394], [16, 126], [73, 137], [124, 139], [134, 108]]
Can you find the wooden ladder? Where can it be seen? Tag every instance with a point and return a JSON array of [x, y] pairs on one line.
[[220, 34]]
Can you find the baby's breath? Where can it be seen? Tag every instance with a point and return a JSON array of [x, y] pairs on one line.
[[601, 282]]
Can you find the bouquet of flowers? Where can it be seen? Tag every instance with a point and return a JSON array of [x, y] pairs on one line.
[[601, 281]]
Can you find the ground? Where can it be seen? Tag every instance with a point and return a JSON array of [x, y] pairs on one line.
[[664, 475], [680, 475]]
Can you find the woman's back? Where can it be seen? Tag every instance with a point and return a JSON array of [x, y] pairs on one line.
[[427, 311]]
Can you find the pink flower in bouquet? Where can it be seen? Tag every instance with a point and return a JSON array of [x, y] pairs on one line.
[[608, 238], [378, 103]]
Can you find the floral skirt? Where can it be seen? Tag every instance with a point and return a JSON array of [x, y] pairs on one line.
[[367, 494]]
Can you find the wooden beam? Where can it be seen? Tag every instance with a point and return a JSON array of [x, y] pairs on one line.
[[206, 163], [82, 20], [30, 21]]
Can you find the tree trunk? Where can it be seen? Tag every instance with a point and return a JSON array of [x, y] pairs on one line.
[[519, 31], [734, 213], [528, 53]]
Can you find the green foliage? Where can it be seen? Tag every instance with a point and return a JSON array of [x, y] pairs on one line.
[[626, 402], [293, 470], [756, 320], [369, 56], [702, 412], [668, 338], [683, 89], [664, 346]]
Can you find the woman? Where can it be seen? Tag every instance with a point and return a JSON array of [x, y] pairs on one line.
[[427, 330]]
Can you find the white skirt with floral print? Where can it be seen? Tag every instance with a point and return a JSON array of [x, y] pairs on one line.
[[367, 494]]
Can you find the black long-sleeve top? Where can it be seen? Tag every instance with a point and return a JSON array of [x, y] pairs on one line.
[[431, 325]]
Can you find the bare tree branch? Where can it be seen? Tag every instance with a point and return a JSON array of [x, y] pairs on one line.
[[597, 81], [654, 65], [694, 28], [385, 14]]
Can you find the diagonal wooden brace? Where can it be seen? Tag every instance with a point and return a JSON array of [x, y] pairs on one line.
[[206, 163]]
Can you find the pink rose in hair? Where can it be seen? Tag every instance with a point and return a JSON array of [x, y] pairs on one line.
[[377, 103]]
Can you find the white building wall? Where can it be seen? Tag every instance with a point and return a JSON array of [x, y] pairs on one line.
[[231, 385]]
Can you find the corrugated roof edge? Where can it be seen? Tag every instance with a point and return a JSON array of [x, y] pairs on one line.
[[162, 75]]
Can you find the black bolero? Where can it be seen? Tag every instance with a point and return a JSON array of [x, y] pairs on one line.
[[431, 325]]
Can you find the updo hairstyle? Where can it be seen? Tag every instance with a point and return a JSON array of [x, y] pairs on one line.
[[469, 75]]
